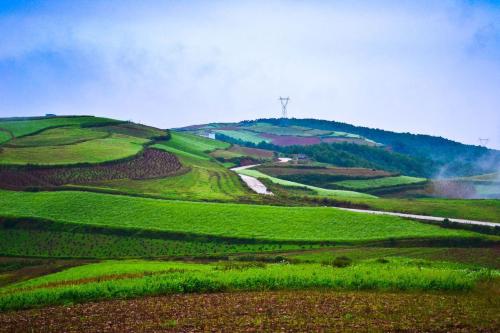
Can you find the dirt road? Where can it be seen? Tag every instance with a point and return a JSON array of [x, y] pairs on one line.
[[423, 217], [252, 182]]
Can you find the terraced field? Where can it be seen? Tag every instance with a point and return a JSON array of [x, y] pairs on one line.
[[115, 147], [29, 126], [245, 221], [59, 136]]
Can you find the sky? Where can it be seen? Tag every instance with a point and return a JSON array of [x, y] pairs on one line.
[[423, 66]]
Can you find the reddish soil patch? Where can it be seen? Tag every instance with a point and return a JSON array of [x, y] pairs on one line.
[[152, 163], [285, 140], [268, 312], [452, 189]]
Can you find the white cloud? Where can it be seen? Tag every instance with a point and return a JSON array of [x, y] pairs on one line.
[[421, 66]]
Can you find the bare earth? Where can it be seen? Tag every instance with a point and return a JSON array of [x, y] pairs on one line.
[[298, 311]]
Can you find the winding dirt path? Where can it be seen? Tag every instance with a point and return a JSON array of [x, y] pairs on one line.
[[422, 217], [252, 182]]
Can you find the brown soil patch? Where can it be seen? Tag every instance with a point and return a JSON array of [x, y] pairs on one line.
[[152, 163], [303, 311]]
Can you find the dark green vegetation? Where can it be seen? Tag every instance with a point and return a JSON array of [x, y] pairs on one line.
[[410, 154]]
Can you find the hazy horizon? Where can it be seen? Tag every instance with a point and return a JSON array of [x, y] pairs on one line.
[[423, 67]]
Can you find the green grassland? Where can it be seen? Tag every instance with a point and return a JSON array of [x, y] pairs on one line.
[[191, 145], [223, 220], [366, 184], [68, 243], [126, 279], [115, 147], [57, 136], [4, 136], [481, 210], [318, 190], [204, 179], [246, 136], [25, 127]]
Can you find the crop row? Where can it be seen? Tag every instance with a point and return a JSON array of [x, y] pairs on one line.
[[152, 163]]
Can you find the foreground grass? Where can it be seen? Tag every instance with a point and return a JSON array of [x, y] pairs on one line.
[[114, 147], [318, 190], [226, 220], [127, 279]]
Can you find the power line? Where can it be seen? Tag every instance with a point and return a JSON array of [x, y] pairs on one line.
[[284, 102], [483, 141]]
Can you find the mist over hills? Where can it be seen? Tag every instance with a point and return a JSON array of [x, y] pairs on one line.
[[349, 145]]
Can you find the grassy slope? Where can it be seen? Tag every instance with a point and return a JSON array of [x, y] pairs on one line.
[[191, 145], [320, 191], [24, 127], [58, 136], [205, 180], [114, 147], [244, 136], [366, 184], [228, 220]]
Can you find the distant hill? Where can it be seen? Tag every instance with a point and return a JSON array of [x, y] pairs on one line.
[[348, 145]]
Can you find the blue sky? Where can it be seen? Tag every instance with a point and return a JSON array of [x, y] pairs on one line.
[[423, 66]]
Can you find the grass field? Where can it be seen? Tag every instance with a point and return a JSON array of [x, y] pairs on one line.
[[4, 136], [318, 190], [105, 245], [111, 148], [226, 220], [204, 180], [481, 210], [244, 136], [367, 184], [58, 136], [190, 145], [24, 127], [125, 279]]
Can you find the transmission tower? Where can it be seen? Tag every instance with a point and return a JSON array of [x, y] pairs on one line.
[[483, 142], [284, 102]]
